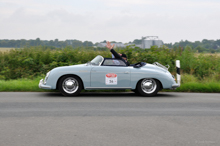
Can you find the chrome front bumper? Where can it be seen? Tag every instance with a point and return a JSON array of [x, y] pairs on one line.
[[42, 86]]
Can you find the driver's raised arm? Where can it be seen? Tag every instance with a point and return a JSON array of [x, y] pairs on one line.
[[110, 47]]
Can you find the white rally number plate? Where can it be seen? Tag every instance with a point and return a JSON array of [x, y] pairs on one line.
[[111, 79]]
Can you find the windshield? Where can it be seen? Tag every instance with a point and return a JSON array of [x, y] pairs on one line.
[[97, 60]]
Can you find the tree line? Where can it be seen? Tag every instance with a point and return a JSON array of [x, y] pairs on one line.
[[37, 42], [205, 45]]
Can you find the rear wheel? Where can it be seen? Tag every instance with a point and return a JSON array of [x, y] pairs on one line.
[[70, 85], [148, 87]]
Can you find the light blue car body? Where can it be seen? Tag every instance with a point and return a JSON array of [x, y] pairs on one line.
[[94, 76]]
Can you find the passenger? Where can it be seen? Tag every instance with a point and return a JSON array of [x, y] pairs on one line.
[[123, 57]]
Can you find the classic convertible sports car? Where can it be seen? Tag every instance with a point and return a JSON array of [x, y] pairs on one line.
[[109, 73]]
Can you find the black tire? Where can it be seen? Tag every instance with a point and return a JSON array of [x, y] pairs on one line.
[[70, 85], [148, 87]]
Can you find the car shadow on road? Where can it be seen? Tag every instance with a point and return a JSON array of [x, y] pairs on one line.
[[110, 94]]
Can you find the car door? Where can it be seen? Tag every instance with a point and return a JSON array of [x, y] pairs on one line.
[[113, 75]]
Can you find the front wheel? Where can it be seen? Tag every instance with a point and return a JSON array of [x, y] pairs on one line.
[[70, 85], [148, 87]]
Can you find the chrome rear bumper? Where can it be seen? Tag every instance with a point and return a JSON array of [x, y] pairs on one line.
[[174, 86]]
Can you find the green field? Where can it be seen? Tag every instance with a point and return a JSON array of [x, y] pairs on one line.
[[5, 49]]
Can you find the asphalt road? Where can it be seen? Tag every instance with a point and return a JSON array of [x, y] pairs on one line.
[[109, 119]]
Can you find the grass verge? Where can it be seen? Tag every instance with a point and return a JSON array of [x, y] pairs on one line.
[[190, 84], [211, 87], [21, 85]]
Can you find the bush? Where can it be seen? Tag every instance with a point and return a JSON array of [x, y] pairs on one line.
[[34, 61]]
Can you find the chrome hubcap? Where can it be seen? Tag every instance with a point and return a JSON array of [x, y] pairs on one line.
[[148, 86], [70, 85]]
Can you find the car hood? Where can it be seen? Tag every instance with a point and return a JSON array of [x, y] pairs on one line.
[[63, 68]]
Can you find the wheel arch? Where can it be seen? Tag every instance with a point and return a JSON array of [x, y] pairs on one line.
[[72, 75]]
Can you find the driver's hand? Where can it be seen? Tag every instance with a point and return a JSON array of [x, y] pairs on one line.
[[109, 46]]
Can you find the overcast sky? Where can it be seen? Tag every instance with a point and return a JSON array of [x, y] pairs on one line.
[[113, 20]]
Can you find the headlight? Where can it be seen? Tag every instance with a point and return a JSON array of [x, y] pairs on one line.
[[47, 75]]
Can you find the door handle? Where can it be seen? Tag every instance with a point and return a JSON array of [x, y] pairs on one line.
[[126, 72]]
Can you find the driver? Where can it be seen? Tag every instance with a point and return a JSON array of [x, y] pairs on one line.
[[123, 57]]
